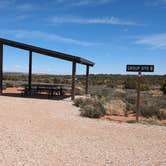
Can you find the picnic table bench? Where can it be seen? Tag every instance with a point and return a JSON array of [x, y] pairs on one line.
[[50, 89]]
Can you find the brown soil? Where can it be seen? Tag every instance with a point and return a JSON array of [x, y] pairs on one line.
[[13, 90], [119, 118], [133, 118]]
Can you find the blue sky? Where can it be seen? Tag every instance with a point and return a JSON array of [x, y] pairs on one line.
[[112, 33]]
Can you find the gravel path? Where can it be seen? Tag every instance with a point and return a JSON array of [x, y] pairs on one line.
[[36, 132]]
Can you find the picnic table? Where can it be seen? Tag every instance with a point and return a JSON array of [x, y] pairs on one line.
[[43, 88]]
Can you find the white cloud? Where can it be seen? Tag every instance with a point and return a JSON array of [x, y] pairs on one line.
[[157, 2], [17, 6], [5, 3], [26, 7], [77, 3], [104, 20], [89, 2], [157, 40], [38, 35]]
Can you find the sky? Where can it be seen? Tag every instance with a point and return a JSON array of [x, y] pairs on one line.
[[111, 33]]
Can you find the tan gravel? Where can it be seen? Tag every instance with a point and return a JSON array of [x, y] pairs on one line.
[[36, 132]]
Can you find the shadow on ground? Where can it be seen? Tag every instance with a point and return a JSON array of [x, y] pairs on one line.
[[36, 96]]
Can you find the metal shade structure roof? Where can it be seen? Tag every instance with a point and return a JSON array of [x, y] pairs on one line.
[[47, 52]]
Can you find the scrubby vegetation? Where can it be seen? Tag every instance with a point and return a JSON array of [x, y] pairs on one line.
[[151, 106], [108, 80], [81, 102], [106, 88], [91, 108], [163, 88]]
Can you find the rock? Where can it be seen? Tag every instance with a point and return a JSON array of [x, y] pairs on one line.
[[116, 107]]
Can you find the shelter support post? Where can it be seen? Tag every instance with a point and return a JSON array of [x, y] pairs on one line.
[[87, 80], [138, 97], [73, 80], [1, 68], [30, 71]]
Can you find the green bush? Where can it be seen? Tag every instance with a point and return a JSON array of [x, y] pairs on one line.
[[79, 91], [163, 88], [130, 107], [131, 121], [144, 87], [149, 111], [153, 111], [130, 97], [92, 109], [87, 101], [161, 115], [153, 106], [78, 102], [130, 84], [81, 102]]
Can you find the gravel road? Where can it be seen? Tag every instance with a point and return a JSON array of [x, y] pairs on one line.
[[36, 132]]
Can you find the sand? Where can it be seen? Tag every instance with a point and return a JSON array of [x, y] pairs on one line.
[[38, 132]]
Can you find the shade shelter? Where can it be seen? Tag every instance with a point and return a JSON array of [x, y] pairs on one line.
[[51, 53]]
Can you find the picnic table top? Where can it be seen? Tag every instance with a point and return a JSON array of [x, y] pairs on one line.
[[47, 85]]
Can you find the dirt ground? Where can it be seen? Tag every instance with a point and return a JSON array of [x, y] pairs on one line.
[[40, 132], [13, 90]]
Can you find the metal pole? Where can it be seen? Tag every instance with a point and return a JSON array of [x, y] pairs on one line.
[[30, 72], [1, 68], [87, 80], [73, 80], [138, 97]]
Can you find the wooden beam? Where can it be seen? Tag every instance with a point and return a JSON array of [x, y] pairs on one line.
[[73, 80], [51, 53], [87, 80], [30, 71], [1, 68]]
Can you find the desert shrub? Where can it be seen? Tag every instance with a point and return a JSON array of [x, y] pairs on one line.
[[87, 101], [161, 115], [81, 102], [130, 84], [144, 87], [99, 91], [9, 85], [47, 80], [56, 80], [78, 102], [161, 101], [131, 121], [130, 107], [163, 88], [93, 110], [130, 97], [149, 111], [151, 106], [79, 91], [119, 95]]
